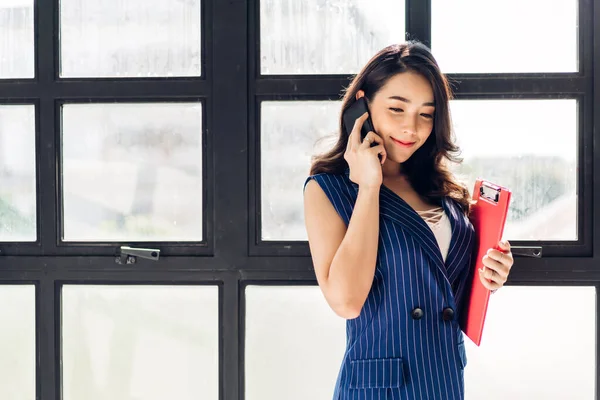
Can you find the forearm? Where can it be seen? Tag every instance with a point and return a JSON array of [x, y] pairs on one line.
[[352, 270]]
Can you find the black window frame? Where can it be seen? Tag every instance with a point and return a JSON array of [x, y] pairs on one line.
[[481, 86], [232, 256]]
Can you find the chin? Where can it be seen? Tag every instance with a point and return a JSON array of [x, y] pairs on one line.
[[399, 159]]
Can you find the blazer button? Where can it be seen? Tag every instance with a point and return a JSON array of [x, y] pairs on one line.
[[448, 314], [417, 313]]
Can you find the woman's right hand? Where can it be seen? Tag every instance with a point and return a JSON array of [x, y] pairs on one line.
[[363, 160]]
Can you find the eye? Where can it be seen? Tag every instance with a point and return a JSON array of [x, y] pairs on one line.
[[396, 109], [428, 116]]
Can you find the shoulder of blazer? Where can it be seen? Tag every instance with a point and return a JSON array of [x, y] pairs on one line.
[[340, 192]]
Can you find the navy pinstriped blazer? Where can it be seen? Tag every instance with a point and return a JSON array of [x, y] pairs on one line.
[[406, 343]]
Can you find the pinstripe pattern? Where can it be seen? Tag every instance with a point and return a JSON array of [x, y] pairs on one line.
[[390, 355]]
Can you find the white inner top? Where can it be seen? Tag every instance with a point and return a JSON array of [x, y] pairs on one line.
[[439, 223]]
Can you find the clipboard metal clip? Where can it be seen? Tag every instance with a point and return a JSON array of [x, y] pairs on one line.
[[489, 192]]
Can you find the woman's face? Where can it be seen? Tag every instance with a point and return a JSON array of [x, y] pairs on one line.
[[402, 113]]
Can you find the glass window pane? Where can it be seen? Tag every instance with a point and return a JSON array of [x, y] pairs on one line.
[[294, 343], [16, 39], [511, 36], [17, 342], [291, 133], [136, 38], [292, 32], [17, 173], [132, 172], [510, 143], [536, 158], [538, 343], [140, 342]]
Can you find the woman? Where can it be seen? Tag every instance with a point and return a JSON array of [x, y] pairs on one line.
[[390, 237]]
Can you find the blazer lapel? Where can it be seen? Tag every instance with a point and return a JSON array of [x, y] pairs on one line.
[[395, 208], [462, 235]]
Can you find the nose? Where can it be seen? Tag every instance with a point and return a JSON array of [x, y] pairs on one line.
[[410, 126]]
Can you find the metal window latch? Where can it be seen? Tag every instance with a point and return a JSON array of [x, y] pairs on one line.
[[527, 251], [128, 255]]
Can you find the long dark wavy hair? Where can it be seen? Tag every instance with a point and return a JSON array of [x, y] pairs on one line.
[[426, 169]]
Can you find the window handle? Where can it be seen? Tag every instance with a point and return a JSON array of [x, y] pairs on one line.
[[129, 255], [527, 251]]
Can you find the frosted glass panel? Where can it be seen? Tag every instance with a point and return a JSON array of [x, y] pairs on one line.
[[16, 39], [294, 344], [17, 342], [140, 342], [510, 36], [132, 172], [509, 143], [290, 134], [18, 209], [134, 38], [326, 37], [538, 343]]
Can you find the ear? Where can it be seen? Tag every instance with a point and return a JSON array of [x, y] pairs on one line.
[[359, 94]]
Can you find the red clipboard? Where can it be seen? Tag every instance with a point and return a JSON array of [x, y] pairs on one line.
[[488, 216]]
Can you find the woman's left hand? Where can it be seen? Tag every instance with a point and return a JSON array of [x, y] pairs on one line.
[[497, 265]]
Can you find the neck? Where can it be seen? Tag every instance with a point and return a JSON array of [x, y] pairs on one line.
[[391, 169]]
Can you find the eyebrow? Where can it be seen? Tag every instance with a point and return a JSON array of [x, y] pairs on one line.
[[429, 103]]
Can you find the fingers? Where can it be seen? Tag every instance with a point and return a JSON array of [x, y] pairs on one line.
[[494, 266], [489, 284], [379, 150], [371, 137], [504, 245], [503, 257], [494, 274]]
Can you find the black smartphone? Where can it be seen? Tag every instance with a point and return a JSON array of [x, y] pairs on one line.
[[355, 111]]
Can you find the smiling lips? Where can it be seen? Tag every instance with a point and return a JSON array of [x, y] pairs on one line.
[[402, 144]]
